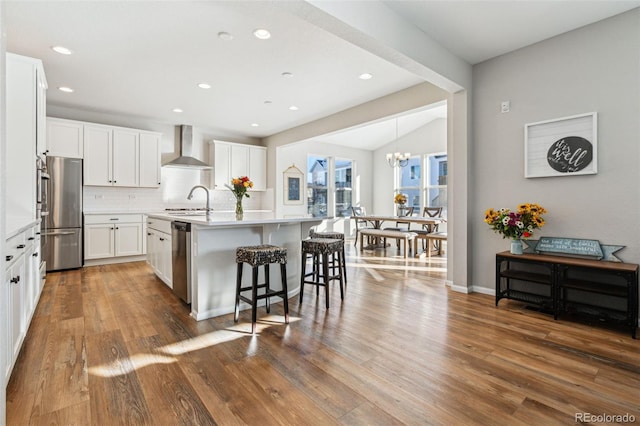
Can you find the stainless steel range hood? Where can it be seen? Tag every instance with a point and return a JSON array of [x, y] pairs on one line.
[[186, 159]]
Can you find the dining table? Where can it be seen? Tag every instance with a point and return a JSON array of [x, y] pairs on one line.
[[427, 223]]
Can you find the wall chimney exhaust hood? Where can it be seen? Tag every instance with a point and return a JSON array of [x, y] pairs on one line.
[[186, 159]]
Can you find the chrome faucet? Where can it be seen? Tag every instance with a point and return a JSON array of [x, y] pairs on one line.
[[190, 196]]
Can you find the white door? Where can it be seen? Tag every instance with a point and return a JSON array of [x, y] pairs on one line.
[[99, 241], [97, 168], [126, 158], [128, 239], [149, 160]]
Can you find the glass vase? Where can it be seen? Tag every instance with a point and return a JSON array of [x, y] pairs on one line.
[[239, 209], [516, 246]]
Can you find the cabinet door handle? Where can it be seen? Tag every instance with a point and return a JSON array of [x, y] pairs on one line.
[[21, 246], [117, 227], [9, 257], [35, 254], [148, 233], [31, 238], [15, 280], [161, 239], [114, 218]]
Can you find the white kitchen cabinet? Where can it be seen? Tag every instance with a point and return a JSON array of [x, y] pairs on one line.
[[232, 160], [65, 138], [112, 236], [222, 165], [159, 249], [25, 83], [111, 156], [98, 155], [21, 290], [149, 159]]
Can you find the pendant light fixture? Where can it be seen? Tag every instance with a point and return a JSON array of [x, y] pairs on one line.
[[396, 158]]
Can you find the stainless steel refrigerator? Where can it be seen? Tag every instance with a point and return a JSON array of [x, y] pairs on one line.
[[63, 246]]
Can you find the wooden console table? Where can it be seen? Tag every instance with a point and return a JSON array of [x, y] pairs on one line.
[[564, 285]]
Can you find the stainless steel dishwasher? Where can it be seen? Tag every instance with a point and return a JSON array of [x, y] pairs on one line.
[[181, 259]]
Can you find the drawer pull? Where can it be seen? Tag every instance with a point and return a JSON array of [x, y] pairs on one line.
[[15, 280], [161, 239], [35, 254], [114, 218], [21, 246], [31, 238], [9, 257]]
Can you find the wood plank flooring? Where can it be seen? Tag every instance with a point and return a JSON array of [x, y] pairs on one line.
[[112, 345]]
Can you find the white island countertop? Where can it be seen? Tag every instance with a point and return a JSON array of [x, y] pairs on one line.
[[218, 219]]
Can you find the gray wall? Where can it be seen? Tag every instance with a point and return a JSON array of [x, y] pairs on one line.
[[595, 68]]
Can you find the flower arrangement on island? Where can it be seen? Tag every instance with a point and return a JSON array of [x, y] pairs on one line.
[[240, 187], [400, 199], [518, 224]]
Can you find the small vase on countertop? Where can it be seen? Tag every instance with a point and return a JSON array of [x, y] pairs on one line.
[[239, 209], [516, 246]]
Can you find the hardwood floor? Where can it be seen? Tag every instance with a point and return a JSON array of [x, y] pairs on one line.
[[113, 345]]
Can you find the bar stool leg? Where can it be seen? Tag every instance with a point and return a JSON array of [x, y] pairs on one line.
[[304, 271], [344, 266], [254, 299], [268, 287], [341, 259], [325, 271], [285, 292], [238, 286]]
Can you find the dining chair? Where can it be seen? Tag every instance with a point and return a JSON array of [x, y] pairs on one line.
[[427, 229], [360, 223]]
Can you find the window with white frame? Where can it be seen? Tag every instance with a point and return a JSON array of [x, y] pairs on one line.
[[424, 181], [317, 185], [344, 187]]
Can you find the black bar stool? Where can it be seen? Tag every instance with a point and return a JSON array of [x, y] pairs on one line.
[[334, 261], [320, 249], [256, 256]]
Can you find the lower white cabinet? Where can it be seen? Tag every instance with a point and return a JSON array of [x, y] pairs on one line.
[[115, 235], [159, 249], [22, 288]]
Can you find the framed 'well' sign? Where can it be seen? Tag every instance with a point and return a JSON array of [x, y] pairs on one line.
[[561, 147]]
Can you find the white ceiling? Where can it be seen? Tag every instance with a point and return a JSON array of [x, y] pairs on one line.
[[144, 58]]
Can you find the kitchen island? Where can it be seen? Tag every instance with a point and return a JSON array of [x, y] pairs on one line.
[[212, 260]]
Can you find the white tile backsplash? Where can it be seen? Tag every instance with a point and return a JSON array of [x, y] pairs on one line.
[[176, 184]]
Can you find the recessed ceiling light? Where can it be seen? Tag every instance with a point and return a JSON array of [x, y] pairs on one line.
[[365, 76], [262, 34], [225, 36], [61, 50], [287, 75], [176, 110], [65, 89], [204, 86], [293, 108], [254, 125]]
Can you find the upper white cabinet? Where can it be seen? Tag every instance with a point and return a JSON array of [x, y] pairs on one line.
[[113, 156], [65, 138], [149, 159], [25, 91], [232, 160]]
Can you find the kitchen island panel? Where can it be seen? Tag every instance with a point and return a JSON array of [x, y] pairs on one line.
[[214, 267]]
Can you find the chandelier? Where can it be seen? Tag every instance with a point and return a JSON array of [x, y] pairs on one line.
[[396, 158]]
